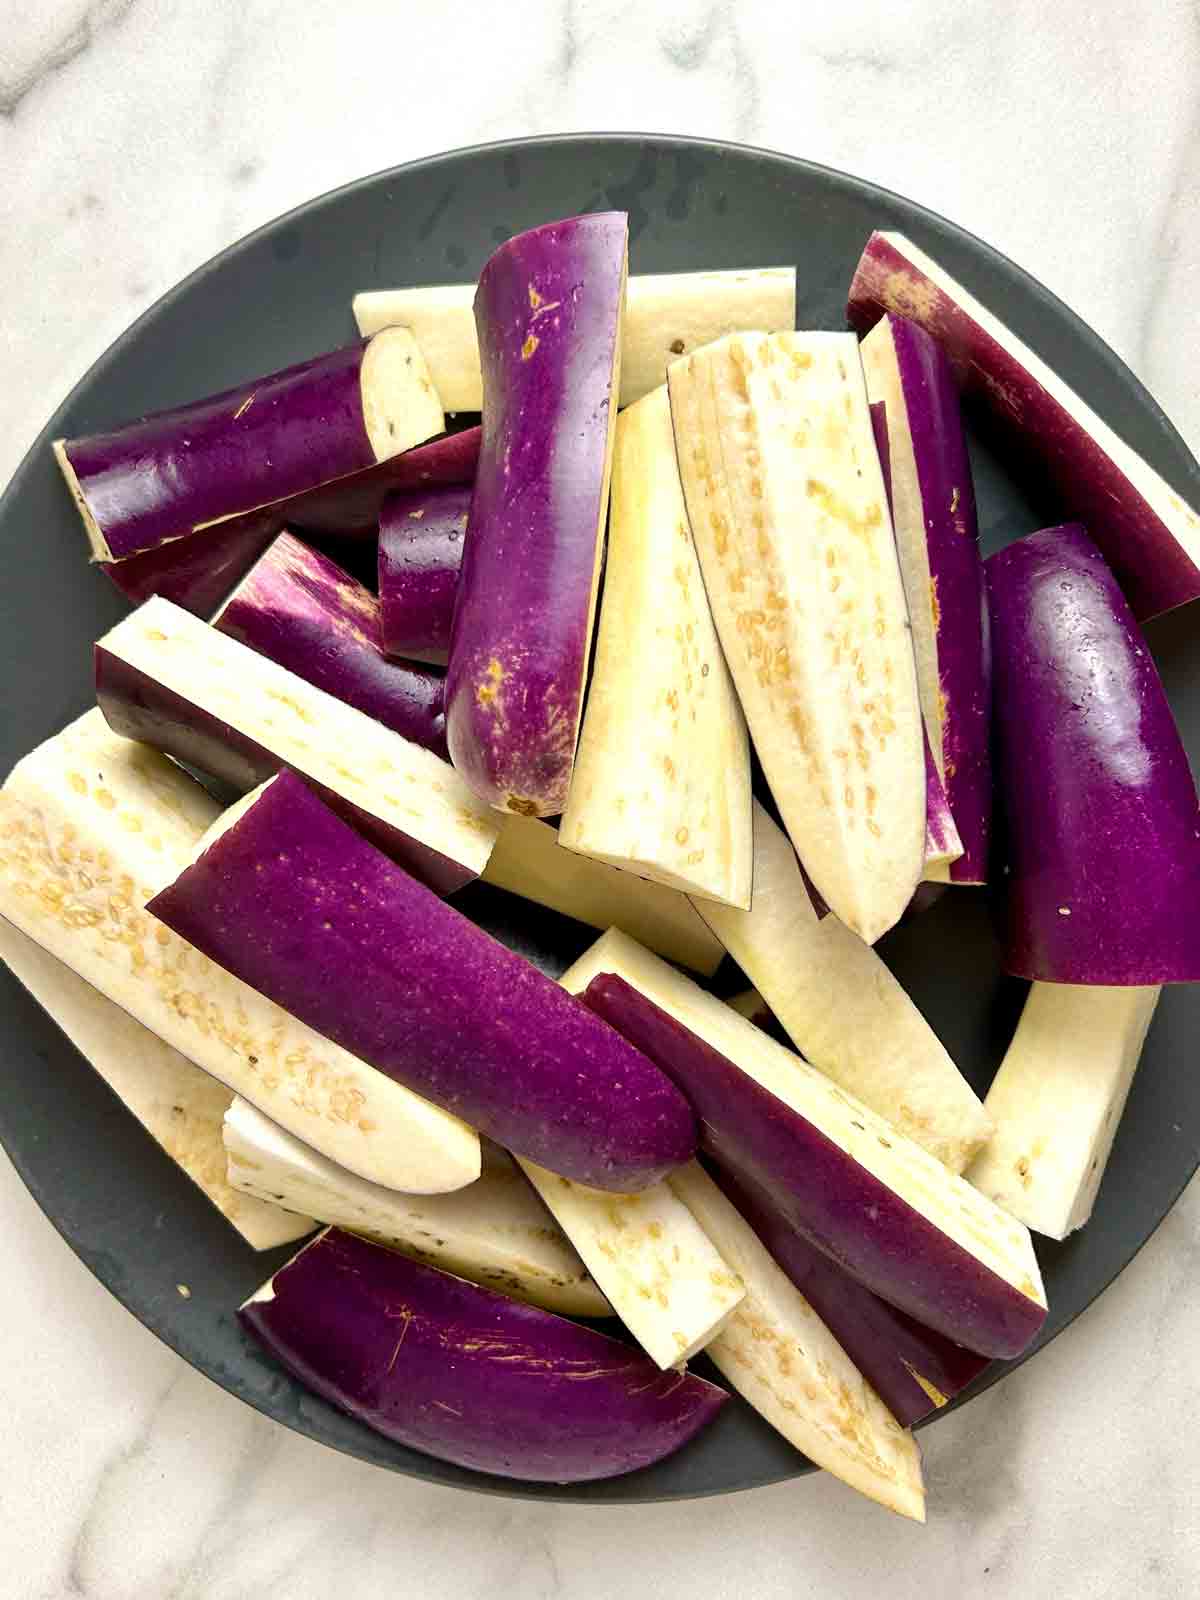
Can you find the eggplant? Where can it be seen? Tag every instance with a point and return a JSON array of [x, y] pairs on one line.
[[199, 570], [661, 785], [92, 825], [302, 611], [1057, 1101], [164, 677], [420, 554], [666, 314], [529, 861], [181, 471], [1103, 829], [656, 1264], [495, 1231], [787, 507], [914, 1370], [932, 499], [291, 900], [548, 310], [778, 1353], [467, 1375], [1146, 532], [179, 1106], [936, 1248], [843, 1009]]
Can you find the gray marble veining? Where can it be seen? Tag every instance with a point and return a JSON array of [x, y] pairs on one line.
[[139, 136]]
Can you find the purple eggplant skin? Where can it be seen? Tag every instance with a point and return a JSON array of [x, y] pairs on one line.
[[294, 903], [138, 707], [889, 1348], [351, 507], [822, 1192], [1152, 566], [947, 493], [198, 571], [466, 1374], [175, 471], [548, 317], [1103, 829], [300, 609], [420, 554]]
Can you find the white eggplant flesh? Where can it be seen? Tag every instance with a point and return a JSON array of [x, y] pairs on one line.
[[495, 1231], [666, 315], [782, 1359], [1057, 1101], [661, 784], [179, 1106], [91, 827], [788, 511], [659, 1270], [842, 1008], [529, 861]]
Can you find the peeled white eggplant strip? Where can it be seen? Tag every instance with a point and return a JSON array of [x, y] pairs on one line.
[[780, 1356], [1057, 1101], [664, 1277], [661, 783], [180, 1106], [843, 1009], [495, 1231], [666, 315], [788, 511]]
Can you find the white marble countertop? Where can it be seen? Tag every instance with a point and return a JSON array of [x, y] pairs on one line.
[[137, 137]]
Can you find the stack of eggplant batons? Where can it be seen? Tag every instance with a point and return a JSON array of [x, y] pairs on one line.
[[680, 529]]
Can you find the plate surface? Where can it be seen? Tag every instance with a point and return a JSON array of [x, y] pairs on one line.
[[283, 294]]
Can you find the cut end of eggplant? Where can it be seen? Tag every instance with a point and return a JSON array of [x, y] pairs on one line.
[[96, 539], [400, 406]]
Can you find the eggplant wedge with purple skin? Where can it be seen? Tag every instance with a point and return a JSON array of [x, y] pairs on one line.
[[931, 493], [936, 1248], [182, 471], [1144, 529], [548, 311], [291, 900], [300, 609], [421, 534], [174, 682], [1103, 829], [467, 1375]]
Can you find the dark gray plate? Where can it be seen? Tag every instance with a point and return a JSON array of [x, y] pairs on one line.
[[284, 293]]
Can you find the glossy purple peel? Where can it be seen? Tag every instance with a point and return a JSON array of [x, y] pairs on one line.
[[860, 1223], [189, 468], [1103, 829], [466, 1374], [421, 534], [297, 905], [913, 1369], [1146, 532], [548, 314], [300, 609]]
